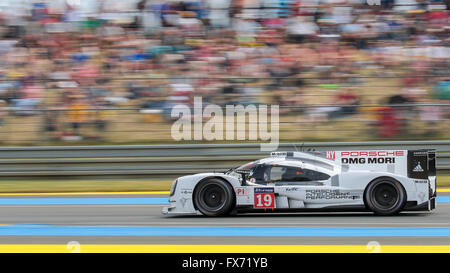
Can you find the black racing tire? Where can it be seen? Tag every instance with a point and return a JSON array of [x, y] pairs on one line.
[[385, 196], [214, 197]]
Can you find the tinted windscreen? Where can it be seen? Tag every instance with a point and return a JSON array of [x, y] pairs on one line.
[[246, 167], [268, 174], [315, 176]]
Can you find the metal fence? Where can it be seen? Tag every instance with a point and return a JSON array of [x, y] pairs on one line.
[[168, 161], [323, 122], [307, 109]]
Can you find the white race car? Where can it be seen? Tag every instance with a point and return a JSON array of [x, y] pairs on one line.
[[383, 181]]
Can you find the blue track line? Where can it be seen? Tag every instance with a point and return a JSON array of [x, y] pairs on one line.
[[30, 230], [443, 199]]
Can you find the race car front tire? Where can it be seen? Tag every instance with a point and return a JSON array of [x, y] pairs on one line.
[[214, 197], [385, 196]]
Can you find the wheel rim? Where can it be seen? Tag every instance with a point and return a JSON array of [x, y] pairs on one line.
[[385, 196], [212, 197]]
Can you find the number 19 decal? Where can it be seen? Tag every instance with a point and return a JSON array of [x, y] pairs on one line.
[[264, 198]]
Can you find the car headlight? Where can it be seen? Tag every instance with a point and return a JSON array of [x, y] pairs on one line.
[[173, 187]]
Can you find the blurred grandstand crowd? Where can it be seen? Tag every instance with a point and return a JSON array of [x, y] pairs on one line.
[[327, 64]]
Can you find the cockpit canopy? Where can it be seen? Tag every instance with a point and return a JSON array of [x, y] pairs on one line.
[[277, 170]]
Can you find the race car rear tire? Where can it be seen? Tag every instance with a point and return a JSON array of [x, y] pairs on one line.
[[214, 197], [385, 196]]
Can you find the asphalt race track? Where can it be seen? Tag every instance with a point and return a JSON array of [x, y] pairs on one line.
[[136, 219]]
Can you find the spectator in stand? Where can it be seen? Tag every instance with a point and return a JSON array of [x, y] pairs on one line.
[[77, 116]]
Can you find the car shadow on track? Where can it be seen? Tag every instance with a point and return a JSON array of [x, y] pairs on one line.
[[308, 215]]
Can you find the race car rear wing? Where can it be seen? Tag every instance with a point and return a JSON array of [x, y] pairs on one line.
[[422, 165]]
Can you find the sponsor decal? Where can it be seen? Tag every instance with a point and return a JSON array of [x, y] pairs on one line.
[[278, 154], [421, 181], [183, 201], [292, 189], [331, 155], [369, 160], [264, 190], [264, 198], [241, 191], [372, 153], [329, 194], [418, 168], [417, 165], [369, 157], [186, 191], [422, 196]]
